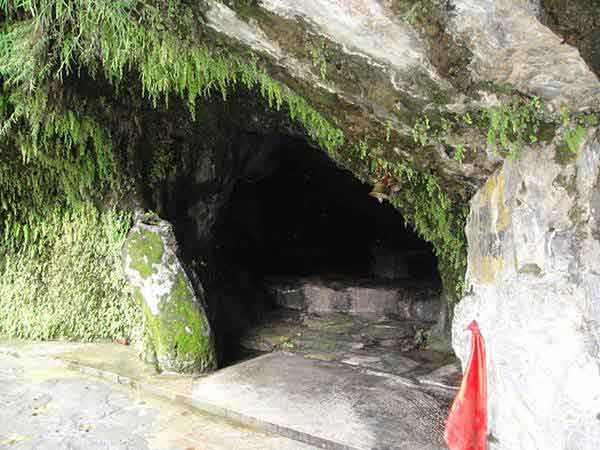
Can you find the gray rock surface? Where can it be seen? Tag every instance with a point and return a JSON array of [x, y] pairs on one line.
[[404, 299], [534, 287], [380, 66], [510, 45], [353, 409]]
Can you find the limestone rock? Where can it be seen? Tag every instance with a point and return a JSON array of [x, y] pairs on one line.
[[534, 286], [405, 299], [510, 45], [180, 334]]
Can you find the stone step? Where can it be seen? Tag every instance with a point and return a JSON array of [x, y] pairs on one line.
[[402, 298], [327, 404]]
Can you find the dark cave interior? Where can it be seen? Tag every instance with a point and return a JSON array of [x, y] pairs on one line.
[[306, 216], [277, 207]]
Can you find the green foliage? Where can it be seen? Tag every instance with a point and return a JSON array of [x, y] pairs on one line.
[[317, 54], [420, 131], [388, 130], [53, 160], [429, 209], [459, 152], [574, 131], [507, 129], [115, 37], [512, 126], [574, 137], [362, 149], [73, 286]]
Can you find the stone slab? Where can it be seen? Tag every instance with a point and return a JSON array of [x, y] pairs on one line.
[[353, 408], [404, 299]]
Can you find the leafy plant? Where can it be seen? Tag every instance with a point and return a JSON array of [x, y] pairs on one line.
[[459, 152], [574, 137], [573, 134], [511, 126], [420, 131], [388, 130], [317, 53]]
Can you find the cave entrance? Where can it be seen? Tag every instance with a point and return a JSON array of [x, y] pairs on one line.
[[324, 265], [305, 216]]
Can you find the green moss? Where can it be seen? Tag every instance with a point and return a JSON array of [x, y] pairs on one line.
[[73, 287], [186, 316], [146, 249], [180, 333]]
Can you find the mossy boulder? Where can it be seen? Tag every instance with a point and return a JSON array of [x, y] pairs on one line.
[[178, 334]]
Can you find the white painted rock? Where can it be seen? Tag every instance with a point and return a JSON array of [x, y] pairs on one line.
[[179, 331]]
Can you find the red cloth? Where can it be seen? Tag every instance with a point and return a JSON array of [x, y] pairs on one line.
[[466, 427]]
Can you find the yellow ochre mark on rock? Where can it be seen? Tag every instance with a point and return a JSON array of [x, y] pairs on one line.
[[488, 269], [493, 195]]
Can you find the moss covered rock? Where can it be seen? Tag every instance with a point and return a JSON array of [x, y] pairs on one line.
[[178, 334]]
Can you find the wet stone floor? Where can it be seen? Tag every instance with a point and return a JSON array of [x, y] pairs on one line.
[[377, 342]]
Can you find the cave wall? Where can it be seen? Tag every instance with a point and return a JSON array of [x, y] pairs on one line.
[[533, 284]]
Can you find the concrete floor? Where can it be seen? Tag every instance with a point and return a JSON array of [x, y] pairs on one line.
[[331, 403], [43, 406], [279, 401]]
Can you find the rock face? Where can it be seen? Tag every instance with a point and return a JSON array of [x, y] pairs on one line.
[[534, 286], [386, 62], [180, 337], [510, 45], [402, 299]]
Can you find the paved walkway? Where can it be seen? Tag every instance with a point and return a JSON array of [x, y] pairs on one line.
[[44, 406], [277, 401]]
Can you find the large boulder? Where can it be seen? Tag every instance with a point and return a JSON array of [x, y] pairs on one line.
[[178, 332], [534, 287]]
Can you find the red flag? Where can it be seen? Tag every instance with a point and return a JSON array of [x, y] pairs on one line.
[[466, 428]]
